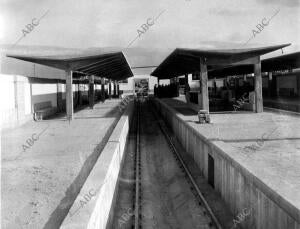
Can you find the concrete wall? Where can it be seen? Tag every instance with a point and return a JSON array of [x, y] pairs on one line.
[[102, 180], [194, 84], [128, 87], [15, 99], [238, 187], [44, 92], [19, 95]]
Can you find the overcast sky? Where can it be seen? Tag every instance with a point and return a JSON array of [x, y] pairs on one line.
[[183, 23]]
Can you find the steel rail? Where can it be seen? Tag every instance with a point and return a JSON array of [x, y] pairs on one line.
[[194, 184], [137, 172]]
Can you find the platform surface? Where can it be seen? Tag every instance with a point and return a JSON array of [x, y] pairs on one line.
[[36, 178], [266, 144]]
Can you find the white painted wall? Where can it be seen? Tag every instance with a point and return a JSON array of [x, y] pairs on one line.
[[7, 98], [7, 92], [27, 98], [44, 93], [17, 109], [194, 84], [97, 86], [14, 109], [63, 90]]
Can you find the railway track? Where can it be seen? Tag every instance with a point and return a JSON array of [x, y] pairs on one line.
[[145, 169], [214, 223], [137, 202]]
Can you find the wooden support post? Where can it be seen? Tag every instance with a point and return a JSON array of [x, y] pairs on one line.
[[298, 85], [204, 85], [270, 85], [186, 83], [81, 88], [31, 99], [187, 88], [77, 95], [258, 87], [69, 95], [109, 88], [118, 90], [236, 85], [215, 86], [102, 89], [115, 89], [176, 80], [59, 96], [91, 91], [274, 86]]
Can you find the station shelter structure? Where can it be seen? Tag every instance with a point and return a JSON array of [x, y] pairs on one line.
[[114, 66], [210, 62]]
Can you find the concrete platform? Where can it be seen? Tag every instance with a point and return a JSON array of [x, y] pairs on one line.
[[92, 206], [263, 147], [41, 177]]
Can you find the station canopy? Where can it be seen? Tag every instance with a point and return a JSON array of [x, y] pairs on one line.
[[110, 65], [184, 61], [284, 62]]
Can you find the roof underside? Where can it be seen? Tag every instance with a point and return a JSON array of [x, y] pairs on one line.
[[185, 61], [285, 62], [109, 65]]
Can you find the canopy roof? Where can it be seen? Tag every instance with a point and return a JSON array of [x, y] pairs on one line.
[[184, 61], [284, 62], [111, 65]]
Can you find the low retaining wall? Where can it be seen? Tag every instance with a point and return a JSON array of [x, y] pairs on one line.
[[92, 206], [241, 190]]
